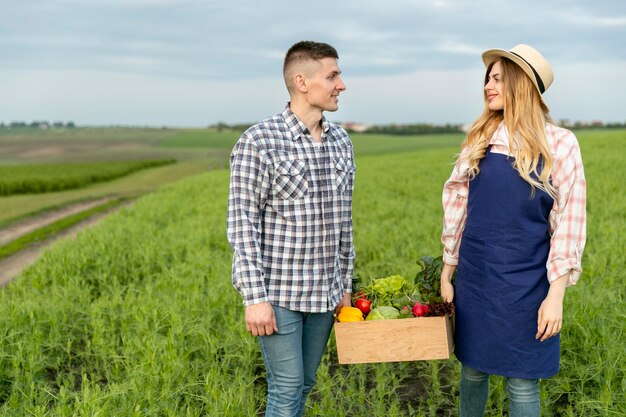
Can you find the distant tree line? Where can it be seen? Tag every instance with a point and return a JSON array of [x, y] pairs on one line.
[[37, 124], [395, 129], [239, 127], [391, 129], [410, 129], [423, 128], [596, 124]]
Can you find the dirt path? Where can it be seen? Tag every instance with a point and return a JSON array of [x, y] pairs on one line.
[[13, 265], [30, 224]]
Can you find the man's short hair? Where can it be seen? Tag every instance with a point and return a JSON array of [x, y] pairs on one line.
[[306, 51]]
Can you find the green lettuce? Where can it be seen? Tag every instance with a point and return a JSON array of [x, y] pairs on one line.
[[383, 313]]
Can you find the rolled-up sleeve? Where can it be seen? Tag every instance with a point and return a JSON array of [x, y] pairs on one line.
[[454, 200], [568, 217], [248, 191]]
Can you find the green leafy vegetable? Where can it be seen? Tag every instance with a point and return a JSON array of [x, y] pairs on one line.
[[383, 313], [428, 280], [383, 290], [401, 301]]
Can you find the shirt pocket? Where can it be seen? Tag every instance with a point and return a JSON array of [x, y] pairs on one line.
[[343, 169], [290, 182]]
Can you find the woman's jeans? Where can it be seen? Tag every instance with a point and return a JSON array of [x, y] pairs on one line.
[[523, 394], [292, 357]]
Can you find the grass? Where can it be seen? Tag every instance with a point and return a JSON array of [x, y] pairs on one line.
[[63, 146], [137, 316], [202, 139], [54, 228], [17, 207], [367, 144], [42, 178]]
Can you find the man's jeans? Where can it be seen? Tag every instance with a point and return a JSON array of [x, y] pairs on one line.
[[523, 394], [291, 359]]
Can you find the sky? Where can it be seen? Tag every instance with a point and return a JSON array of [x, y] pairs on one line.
[[193, 63]]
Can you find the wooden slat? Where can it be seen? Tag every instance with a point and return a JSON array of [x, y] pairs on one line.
[[422, 338]]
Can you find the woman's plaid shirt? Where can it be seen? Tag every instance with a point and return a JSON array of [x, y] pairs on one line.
[[567, 221], [290, 214]]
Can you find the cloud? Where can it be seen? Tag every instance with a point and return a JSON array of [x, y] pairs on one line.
[[459, 48], [220, 47], [598, 21], [431, 96], [238, 40]]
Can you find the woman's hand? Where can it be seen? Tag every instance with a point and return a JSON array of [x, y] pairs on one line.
[[447, 290], [550, 316]]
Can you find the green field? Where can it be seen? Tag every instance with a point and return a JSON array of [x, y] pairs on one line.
[[44, 178], [33, 150], [23, 146], [137, 316]]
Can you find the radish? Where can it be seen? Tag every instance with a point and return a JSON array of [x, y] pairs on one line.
[[420, 309]]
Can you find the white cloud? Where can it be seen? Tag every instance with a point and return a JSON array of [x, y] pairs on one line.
[[598, 21], [192, 62], [133, 62], [459, 48]]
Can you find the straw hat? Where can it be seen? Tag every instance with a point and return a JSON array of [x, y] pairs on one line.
[[529, 60]]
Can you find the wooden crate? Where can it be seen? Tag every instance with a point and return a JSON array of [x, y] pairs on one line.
[[412, 339]]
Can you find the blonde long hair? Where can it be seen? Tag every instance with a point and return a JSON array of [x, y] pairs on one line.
[[525, 116]]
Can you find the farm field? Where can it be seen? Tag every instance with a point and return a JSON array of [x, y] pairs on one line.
[[39, 150], [137, 316], [17, 207], [42, 178], [19, 146]]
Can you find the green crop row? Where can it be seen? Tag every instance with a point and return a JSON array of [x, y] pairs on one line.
[[42, 178], [55, 228], [137, 316]]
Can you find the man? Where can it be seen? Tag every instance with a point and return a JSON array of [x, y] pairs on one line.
[[290, 225]]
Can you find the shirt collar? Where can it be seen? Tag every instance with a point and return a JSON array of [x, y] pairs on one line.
[[298, 128], [500, 136]]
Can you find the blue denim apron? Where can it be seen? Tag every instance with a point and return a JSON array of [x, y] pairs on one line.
[[502, 277]]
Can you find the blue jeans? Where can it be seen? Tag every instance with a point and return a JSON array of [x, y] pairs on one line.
[[523, 394], [292, 357]]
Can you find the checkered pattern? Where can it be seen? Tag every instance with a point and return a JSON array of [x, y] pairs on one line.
[[290, 214], [567, 218]]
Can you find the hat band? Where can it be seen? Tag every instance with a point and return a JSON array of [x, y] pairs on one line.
[[542, 89]]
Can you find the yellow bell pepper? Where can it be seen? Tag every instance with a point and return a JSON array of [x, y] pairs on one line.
[[350, 314]]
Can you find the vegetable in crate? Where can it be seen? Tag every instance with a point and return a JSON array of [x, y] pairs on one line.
[[364, 305], [421, 299], [428, 280], [382, 291], [383, 313], [420, 310], [406, 312], [427, 285], [402, 301], [349, 314]]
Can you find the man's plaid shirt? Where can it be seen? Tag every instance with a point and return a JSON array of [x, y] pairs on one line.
[[290, 214]]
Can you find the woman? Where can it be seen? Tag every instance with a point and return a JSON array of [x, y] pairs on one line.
[[514, 224]]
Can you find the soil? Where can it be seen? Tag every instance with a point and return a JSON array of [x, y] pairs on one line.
[[13, 265]]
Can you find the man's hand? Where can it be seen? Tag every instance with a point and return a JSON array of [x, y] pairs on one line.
[[345, 302], [260, 320], [447, 289]]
